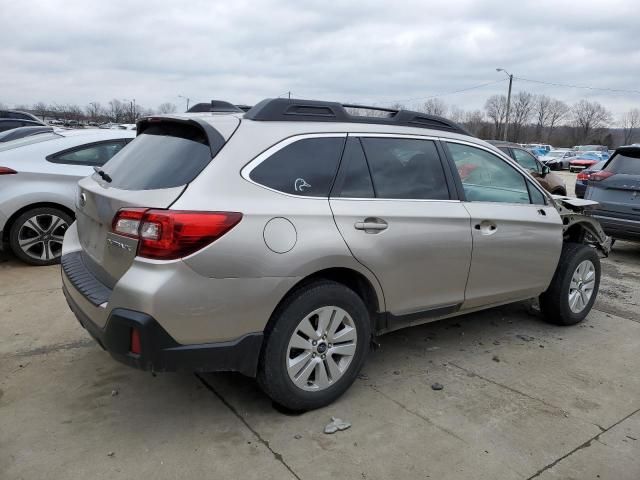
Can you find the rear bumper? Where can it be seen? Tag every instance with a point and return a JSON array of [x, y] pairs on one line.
[[160, 352], [620, 228]]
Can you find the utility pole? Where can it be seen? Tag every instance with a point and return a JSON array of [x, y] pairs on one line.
[[506, 121], [186, 98]]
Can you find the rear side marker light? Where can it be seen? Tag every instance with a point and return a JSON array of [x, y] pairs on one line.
[[7, 171], [601, 175], [172, 234], [136, 345]]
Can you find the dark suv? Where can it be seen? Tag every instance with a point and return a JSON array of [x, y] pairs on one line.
[[617, 190]]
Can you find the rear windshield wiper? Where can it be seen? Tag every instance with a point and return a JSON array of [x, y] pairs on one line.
[[105, 176]]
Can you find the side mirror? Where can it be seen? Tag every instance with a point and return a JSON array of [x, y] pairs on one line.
[[545, 170]]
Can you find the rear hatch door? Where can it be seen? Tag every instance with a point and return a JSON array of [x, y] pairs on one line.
[[151, 172], [617, 187]]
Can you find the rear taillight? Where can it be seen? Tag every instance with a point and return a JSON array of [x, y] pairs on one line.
[[7, 171], [171, 234], [583, 176], [601, 175]]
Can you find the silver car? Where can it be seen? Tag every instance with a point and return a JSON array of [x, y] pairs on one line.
[[38, 183], [276, 243]]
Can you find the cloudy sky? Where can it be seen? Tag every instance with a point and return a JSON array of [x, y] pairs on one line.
[[370, 51]]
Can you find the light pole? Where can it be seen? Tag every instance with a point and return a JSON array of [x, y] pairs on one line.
[[186, 98], [506, 121]]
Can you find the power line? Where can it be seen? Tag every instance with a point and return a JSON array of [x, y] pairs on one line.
[[447, 93], [616, 90]]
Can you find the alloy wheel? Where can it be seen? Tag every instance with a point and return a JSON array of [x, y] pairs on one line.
[[321, 348], [581, 287], [40, 237]]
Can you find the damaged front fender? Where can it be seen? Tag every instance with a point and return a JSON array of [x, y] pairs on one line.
[[578, 226]]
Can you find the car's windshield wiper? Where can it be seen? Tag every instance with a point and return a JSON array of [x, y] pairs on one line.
[[105, 176]]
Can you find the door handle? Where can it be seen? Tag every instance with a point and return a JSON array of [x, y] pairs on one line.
[[371, 225], [486, 227]]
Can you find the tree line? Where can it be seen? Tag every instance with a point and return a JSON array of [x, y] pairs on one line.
[[115, 111], [541, 119], [532, 118]]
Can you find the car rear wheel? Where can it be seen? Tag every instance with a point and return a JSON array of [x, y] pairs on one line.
[[36, 235], [314, 346], [574, 287]]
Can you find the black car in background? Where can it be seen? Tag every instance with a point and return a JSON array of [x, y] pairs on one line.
[[616, 188], [10, 119], [583, 178], [22, 132]]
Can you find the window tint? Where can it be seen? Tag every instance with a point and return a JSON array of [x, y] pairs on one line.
[[624, 164], [487, 178], [526, 160], [306, 167], [166, 155], [354, 180], [405, 168], [93, 155], [9, 124], [537, 197], [19, 116]]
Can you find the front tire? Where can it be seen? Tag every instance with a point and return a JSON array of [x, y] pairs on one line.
[[315, 345], [36, 235], [574, 287]]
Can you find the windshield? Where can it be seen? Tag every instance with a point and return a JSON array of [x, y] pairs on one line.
[[30, 140], [555, 154], [589, 156]]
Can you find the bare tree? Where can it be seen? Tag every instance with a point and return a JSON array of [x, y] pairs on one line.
[[474, 122], [456, 114], [630, 125], [557, 111], [94, 111], [434, 106], [589, 117], [40, 109], [117, 110], [522, 110], [3, 106], [496, 108], [541, 111], [167, 108]]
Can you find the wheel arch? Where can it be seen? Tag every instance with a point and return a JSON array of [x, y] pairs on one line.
[[20, 211], [357, 281]]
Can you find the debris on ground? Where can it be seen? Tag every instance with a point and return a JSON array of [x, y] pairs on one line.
[[114, 393], [363, 376], [496, 358], [437, 386], [396, 372], [297, 436], [336, 425], [110, 454], [525, 338], [496, 342]]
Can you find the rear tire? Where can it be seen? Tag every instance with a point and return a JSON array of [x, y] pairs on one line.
[[299, 368], [574, 287], [36, 235]]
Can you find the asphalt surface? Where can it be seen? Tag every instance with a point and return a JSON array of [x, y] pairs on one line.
[[521, 399]]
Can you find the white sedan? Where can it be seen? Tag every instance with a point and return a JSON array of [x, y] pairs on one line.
[[38, 177]]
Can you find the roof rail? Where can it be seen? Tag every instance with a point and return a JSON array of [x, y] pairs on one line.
[[292, 110], [214, 106]]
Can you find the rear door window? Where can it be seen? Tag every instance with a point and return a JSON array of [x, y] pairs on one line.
[[405, 168], [94, 155], [306, 167], [166, 155], [354, 179]]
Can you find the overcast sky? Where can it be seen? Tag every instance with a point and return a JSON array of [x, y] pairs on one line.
[[367, 51]]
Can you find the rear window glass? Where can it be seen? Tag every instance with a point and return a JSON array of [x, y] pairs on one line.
[[306, 167], [164, 156], [21, 142], [625, 164]]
